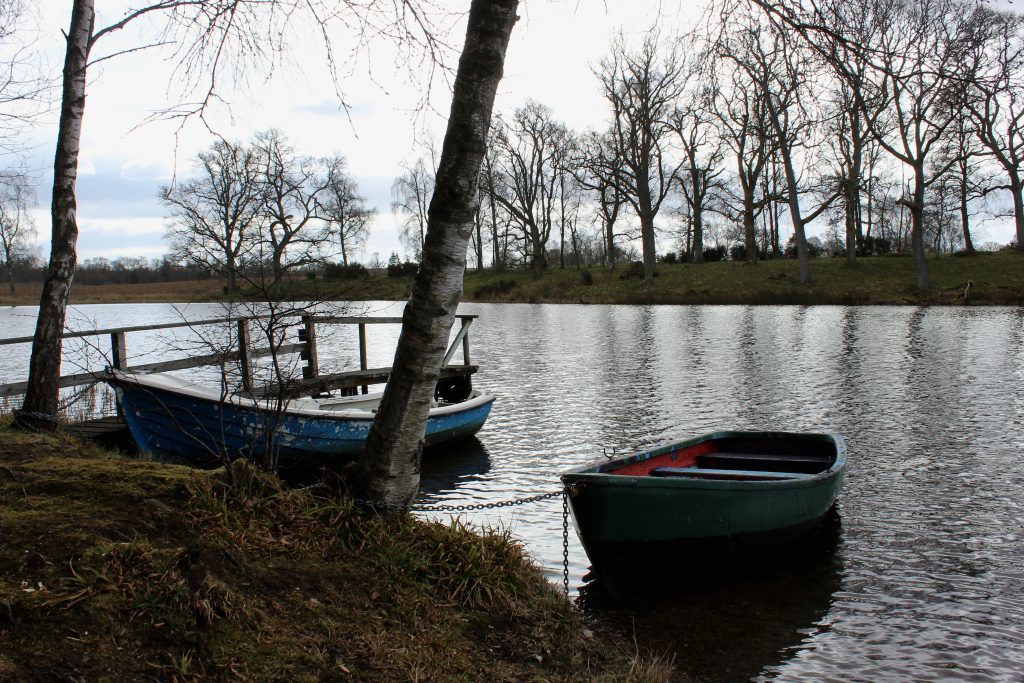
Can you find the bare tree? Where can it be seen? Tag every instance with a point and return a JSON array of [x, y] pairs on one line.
[[993, 80], [388, 469], [915, 54], [212, 214], [742, 117], [291, 228], [23, 86], [961, 156], [344, 210], [570, 203], [848, 139], [702, 151], [500, 222], [532, 149], [778, 68], [642, 87], [410, 198], [16, 226], [211, 40], [596, 169]]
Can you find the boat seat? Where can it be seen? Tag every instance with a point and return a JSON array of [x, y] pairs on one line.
[[740, 475], [769, 462]]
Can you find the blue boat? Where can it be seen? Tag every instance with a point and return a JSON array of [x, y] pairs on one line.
[[178, 421]]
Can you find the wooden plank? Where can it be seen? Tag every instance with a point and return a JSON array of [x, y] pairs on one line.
[[341, 320], [17, 388], [119, 350], [346, 380], [726, 475], [136, 328], [96, 427], [460, 336], [350, 320]]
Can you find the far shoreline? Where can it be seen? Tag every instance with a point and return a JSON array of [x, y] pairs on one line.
[[981, 279]]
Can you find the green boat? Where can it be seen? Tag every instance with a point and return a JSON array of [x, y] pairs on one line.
[[719, 493]]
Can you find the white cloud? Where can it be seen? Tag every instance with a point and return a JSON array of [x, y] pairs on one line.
[[146, 169], [122, 163]]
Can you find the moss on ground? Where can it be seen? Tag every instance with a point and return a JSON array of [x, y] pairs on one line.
[[120, 569]]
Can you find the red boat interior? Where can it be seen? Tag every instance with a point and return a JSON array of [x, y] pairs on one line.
[[737, 459]]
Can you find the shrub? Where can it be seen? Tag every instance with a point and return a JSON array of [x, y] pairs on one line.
[[353, 271], [494, 289], [874, 246], [738, 252], [402, 269], [587, 277], [814, 247], [670, 257], [633, 270], [712, 254]]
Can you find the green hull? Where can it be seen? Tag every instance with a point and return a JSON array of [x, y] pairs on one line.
[[623, 517]]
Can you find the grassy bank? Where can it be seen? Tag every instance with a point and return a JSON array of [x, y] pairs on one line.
[[119, 569], [996, 279]]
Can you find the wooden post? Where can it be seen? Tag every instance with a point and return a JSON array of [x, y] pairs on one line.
[[362, 352], [118, 351], [307, 334], [118, 361], [243, 354], [465, 349]]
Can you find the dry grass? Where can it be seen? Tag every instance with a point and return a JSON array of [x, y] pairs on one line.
[[126, 570], [156, 292]]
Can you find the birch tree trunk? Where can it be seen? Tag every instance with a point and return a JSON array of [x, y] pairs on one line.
[[389, 467], [40, 407]]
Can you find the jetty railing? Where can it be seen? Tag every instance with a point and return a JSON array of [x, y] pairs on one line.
[[311, 382]]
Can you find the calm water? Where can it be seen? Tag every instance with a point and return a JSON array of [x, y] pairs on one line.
[[920, 576]]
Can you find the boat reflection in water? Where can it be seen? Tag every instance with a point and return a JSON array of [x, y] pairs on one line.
[[729, 618], [447, 466]]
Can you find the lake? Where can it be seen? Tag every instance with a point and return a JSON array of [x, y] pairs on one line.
[[920, 575]]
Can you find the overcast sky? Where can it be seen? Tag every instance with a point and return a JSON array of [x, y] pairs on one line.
[[554, 47]]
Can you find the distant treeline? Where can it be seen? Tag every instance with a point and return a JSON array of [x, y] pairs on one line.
[[125, 270]]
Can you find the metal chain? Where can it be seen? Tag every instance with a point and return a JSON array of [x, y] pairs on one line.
[[564, 493], [484, 506], [565, 540], [426, 507], [31, 421]]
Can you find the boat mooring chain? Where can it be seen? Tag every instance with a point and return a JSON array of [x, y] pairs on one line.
[[422, 507], [485, 506], [565, 541]]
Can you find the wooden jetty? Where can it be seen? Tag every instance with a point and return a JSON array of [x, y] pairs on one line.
[[312, 381]]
